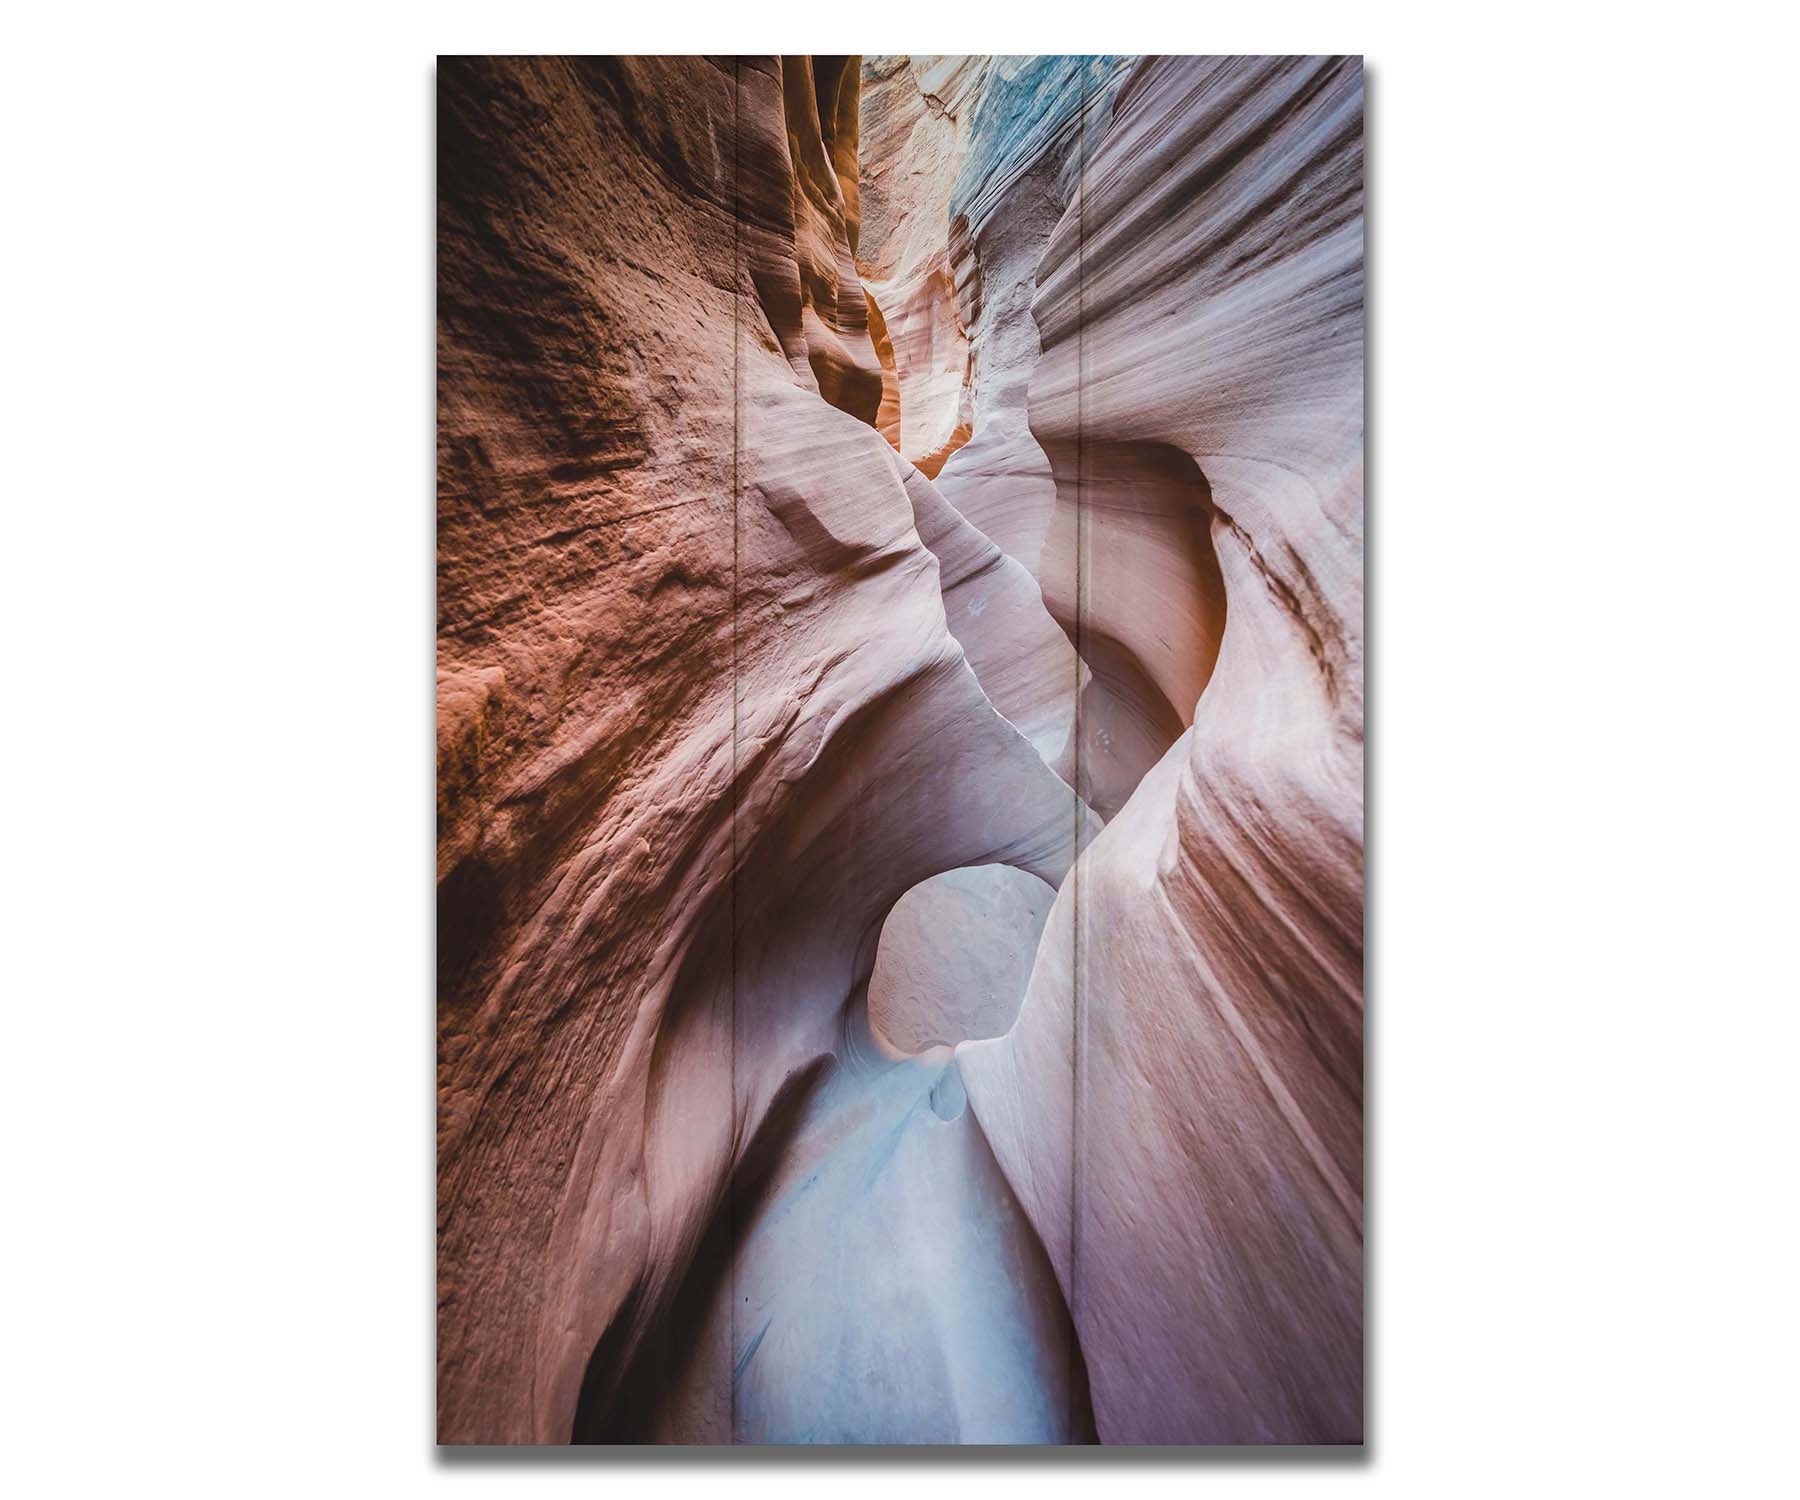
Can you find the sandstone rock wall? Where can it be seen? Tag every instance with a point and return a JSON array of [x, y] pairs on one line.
[[1193, 1030], [701, 722], [724, 675]]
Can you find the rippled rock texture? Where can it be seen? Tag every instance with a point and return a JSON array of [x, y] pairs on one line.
[[899, 750]]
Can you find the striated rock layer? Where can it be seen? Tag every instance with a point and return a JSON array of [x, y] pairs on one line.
[[701, 720], [1192, 1036], [813, 1063]]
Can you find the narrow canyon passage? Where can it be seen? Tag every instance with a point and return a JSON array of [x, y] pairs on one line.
[[883, 1283], [871, 1273], [900, 750], [888, 1287], [885, 1287]]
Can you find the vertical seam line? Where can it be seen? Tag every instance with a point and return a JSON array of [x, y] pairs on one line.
[[737, 222]]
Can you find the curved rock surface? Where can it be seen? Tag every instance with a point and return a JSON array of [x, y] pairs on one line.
[[692, 748], [1192, 1034], [1021, 169], [748, 821]]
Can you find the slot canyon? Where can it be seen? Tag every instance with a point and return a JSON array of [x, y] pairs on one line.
[[900, 750]]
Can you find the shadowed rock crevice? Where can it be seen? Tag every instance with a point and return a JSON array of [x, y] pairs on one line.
[[887, 419], [665, 1388], [1130, 573]]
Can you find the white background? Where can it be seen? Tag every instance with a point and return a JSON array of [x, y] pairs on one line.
[[217, 473]]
